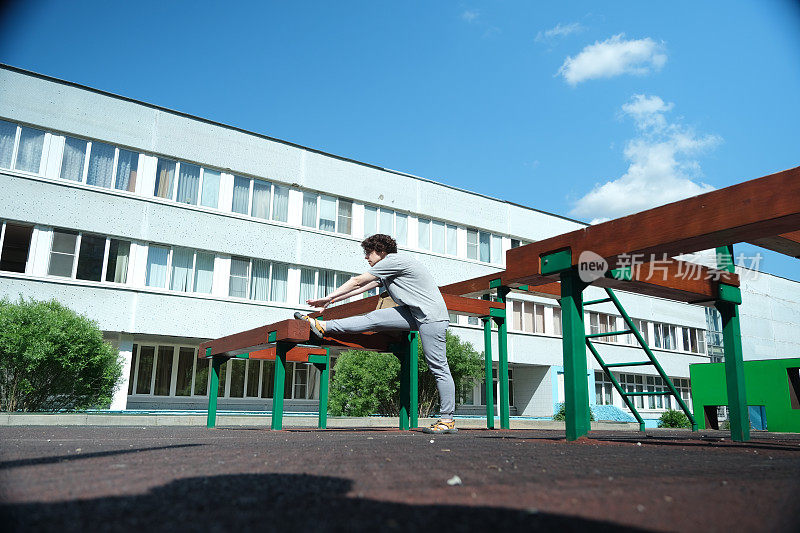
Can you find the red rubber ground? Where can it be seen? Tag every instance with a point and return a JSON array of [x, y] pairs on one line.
[[234, 479]]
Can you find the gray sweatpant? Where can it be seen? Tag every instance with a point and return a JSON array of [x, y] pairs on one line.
[[432, 335]]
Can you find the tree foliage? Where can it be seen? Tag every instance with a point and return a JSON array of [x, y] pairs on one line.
[[52, 358], [366, 383], [673, 418]]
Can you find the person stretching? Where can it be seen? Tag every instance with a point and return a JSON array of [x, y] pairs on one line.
[[420, 307]]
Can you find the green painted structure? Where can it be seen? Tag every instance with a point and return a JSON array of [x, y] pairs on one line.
[[773, 384]]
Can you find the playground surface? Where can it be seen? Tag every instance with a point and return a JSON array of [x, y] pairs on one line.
[[95, 478]]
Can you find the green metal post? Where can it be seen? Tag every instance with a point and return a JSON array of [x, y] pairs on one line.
[[405, 384], [279, 381], [413, 377], [324, 373], [502, 366], [489, 379], [211, 419], [576, 384], [734, 365]]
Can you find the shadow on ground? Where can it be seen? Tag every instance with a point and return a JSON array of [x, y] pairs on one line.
[[274, 502]]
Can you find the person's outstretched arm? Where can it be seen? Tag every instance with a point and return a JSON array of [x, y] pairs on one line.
[[351, 287]]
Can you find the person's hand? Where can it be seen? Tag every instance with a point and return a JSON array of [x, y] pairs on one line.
[[319, 302]]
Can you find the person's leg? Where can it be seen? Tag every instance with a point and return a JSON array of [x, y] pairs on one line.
[[391, 318], [433, 338]]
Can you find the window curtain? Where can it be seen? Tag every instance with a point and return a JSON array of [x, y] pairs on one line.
[[127, 165], [309, 210], [280, 277], [165, 172], [280, 205], [327, 283], [101, 165], [437, 236], [210, 197], [424, 241], [203, 273], [307, 284], [485, 245], [72, 161], [29, 155], [401, 229], [241, 194], [182, 259], [188, 183], [261, 192], [387, 222], [452, 240], [259, 284], [472, 244], [327, 213], [8, 133], [157, 266], [370, 220]]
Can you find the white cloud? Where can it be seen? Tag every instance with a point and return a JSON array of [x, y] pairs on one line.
[[560, 30], [613, 57], [662, 165], [470, 15]]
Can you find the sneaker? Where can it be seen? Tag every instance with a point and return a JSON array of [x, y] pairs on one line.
[[316, 328], [441, 427]]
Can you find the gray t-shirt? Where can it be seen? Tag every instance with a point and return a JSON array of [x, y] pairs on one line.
[[409, 283]]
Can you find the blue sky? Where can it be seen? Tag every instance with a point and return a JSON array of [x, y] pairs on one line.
[[586, 109]]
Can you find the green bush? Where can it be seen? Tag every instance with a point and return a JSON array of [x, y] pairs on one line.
[[674, 419], [366, 383], [53, 359], [561, 414]]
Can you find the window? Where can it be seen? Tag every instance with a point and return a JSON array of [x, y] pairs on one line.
[[515, 243], [438, 237], [694, 340], [633, 383], [182, 265], [241, 195], [317, 284], [424, 240], [300, 388], [188, 184], [253, 372], [237, 368], [472, 244], [452, 239], [602, 323], [163, 371], [16, 243], [72, 162], [664, 336], [603, 388], [656, 384], [382, 220], [183, 384], [497, 387], [309, 215], [8, 137], [203, 272], [210, 194], [280, 203], [262, 196], [101, 165], [484, 246], [118, 257], [127, 166], [144, 371], [90, 257], [345, 213], [157, 259], [240, 273], [165, 174], [640, 325], [29, 153], [527, 317], [62, 253], [556, 320]]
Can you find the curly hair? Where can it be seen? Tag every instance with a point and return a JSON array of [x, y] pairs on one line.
[[379, 243]]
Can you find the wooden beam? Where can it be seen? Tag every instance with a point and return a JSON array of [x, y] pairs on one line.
[[297, 354], [751, 210], [454, 303], [787, 244]]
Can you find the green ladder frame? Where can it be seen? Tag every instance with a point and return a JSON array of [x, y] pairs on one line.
[[321, 362], [498, 316], [627, 397]]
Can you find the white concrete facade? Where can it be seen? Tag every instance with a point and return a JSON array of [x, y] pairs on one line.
[[456, 233]]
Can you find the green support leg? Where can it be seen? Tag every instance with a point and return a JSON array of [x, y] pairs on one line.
[[576, 384], [413, 377], [732, 346], [405, 385], [489, 380], [216, 364], [324, 372], [502, 366], [277, 389]]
